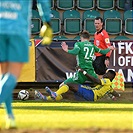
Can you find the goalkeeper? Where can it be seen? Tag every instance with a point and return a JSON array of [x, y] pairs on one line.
[[15, 20]]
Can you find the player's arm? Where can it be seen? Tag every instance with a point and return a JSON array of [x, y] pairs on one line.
[[103, 51], [113, 94], [46, 31], [74, 51], [116, 94], [91, 78], [107, 43], [44, 10]]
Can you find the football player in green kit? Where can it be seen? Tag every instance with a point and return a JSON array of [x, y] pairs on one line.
[[84, 52]]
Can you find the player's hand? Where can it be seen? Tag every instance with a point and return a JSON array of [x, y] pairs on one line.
[[79, 69], [111, 47], [76, 68], [47, 33], [64, 46], [114, 98]]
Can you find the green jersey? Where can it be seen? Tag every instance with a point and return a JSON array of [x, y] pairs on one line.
[[84, 52]]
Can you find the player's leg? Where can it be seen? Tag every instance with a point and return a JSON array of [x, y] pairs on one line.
[[73, 83], [79, 78], [58, 98], [92, 73], [64, 87], [16, 58], [99, 66], [10, 120], [50, 92], [55, 95], [9, 82], [73, 87], [4, 67], [6, 77], [9, 79], [78, 90], [12, 59], [88, 95], [40, 96]]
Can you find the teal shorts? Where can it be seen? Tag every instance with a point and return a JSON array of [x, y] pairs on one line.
[[14, 48], [79, 78]]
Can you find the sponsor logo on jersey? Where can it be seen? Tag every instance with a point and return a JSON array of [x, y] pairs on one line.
[[107, 40], [97, 43]]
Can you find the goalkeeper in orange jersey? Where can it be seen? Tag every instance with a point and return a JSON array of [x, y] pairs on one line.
[[92, 94]]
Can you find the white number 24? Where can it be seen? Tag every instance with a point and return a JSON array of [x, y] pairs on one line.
[[89, 54]]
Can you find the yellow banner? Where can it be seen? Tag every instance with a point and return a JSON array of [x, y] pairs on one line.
[[28, 71]]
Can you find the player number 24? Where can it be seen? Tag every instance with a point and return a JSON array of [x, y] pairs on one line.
[[89, 52]]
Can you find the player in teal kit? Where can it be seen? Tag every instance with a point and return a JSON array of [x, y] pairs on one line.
[[84, 52], [15, 23]]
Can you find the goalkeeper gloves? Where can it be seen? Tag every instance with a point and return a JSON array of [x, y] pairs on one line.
[[47, 33]]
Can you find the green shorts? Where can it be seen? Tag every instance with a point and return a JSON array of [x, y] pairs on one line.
[[14, 48], [79, 78]]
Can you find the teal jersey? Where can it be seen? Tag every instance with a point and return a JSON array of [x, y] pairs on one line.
[[15, 16], [84, 52]]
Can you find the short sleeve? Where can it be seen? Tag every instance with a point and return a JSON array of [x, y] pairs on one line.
[[105, 81]]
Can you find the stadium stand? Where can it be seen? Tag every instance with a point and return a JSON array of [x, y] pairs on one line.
[[85, 5], [120, 4], [72, 22], [76, 38], [35, 14], [55, 22], [37, 37], [72, 27], [120, 37], [52, 4], [35, 22], [105, 4], [65, 4], [113, 21], [60, 37], [128, 5], [88, 20], [128, 20]]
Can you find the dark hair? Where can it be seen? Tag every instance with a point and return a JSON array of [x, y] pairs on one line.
[[85, 34], [97, 18], [113, 73]]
